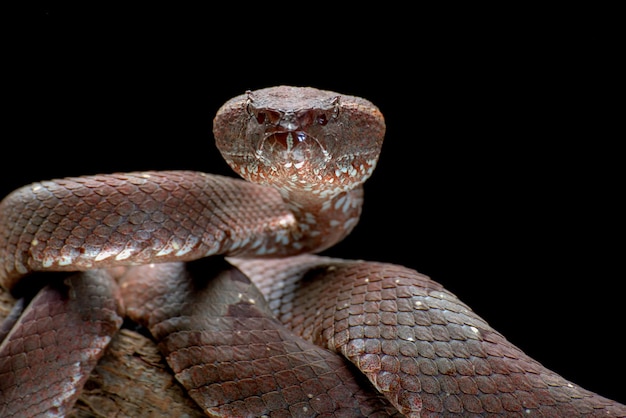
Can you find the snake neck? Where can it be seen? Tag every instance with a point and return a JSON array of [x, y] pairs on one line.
[[323, 222]]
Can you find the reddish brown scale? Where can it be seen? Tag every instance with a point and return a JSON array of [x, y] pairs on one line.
[[232, 355], [52, 348], [420, 351], [428, 352]]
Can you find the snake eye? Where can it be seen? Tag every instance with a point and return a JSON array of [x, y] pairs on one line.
[[260, 118], [319, 117], [266, 116], [331, 112]]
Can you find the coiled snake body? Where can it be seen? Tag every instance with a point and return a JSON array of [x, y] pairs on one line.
[[272, 330]]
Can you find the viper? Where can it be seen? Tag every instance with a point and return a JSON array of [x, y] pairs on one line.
[[223, 273]]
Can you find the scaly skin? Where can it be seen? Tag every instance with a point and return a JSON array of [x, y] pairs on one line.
[[152, 239]]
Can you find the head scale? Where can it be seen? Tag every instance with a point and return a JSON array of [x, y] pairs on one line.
[[300, 138]]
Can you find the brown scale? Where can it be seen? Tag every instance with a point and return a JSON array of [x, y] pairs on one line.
[[299, 335]]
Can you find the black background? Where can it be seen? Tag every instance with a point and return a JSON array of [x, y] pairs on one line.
[[498, 177]]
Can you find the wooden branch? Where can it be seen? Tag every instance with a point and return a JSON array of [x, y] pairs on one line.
[[131, 380]]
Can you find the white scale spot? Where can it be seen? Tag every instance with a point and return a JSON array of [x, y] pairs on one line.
[[346, 205], [236, 244], [240, 242], [127, 252], [65, 260], [265, 251], [164, 251], [47, 261], [189, 245], [34, 242], [350, 223], [168, 249], [257, 243], [103, 255], [282, 237], [340, 202], [310, 218], [212, 249], [475, 330]]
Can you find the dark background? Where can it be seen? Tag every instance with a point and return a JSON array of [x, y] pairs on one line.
[[498, 177]]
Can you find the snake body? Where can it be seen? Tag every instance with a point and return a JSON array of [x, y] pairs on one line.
[[272, 329]]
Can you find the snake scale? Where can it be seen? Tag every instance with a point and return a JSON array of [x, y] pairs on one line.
[[223, 274]]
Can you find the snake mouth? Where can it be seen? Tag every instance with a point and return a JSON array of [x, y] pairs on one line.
[[292, 148]]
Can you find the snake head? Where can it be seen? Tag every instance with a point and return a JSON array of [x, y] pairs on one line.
[[300, 138]]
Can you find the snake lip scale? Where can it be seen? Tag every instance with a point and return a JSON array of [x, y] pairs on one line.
[[224, 276]]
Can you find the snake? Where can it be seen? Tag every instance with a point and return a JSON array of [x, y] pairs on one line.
[[224, 274]]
